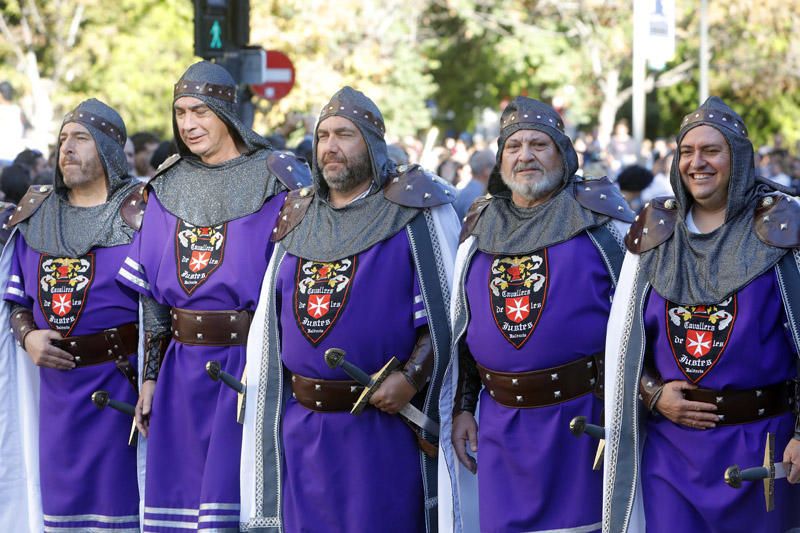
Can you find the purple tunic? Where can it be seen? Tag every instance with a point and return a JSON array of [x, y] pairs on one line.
[[533, 474], [740, 344], [83, 485], [194, 443], [343, 472]]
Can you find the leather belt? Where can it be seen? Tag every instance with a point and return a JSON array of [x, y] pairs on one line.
[[113, 344], [540, 388], [325, 395], [210, 328], [743, 406]]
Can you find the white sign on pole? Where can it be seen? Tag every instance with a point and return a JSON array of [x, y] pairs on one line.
[[660, 32]]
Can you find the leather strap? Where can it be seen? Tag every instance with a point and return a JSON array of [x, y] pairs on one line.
[[744, 406], [325, 395], [210, 328], [114, 344], [540, 388]]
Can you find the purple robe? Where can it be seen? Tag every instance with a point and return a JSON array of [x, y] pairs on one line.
[[84, 485], [740, 344], [533, 474], [343, 472], [194, 443]]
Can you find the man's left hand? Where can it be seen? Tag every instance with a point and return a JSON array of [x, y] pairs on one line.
[[393, 394], [791, 459]]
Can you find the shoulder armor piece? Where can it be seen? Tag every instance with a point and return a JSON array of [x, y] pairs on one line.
[[602, 196], [6, 210], [292, 212], [290, 170], [474, 213], [168, 162], [413, 186], [29, 203], [777, 220], [653, 225], [132, 208]]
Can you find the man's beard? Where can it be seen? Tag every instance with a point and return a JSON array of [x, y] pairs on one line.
[[538, 188], [350, 174]]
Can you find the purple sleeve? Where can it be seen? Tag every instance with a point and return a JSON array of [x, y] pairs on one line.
[[420, 314], [15, 287], [132, 274]]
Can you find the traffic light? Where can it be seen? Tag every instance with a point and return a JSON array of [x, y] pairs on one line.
[[220, 26]]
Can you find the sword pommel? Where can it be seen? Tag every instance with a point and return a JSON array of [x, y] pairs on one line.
[[334, 357], [100, 399], [733, 476], [213, 370], [577, 425]]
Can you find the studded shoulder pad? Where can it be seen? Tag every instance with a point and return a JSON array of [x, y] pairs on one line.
[[168, 162], [290, 170], [413, 186], [777, 220], [292, 212], [653, 225], [132, 208], [474, 213], [602, 196], [29, 203], [6, 210]]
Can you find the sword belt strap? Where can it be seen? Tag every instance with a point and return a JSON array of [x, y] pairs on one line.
[[540, 388], [113, 344], [325, 395], [210, 328], [743, 406]]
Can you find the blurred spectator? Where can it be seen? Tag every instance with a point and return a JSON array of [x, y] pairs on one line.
[[622, 150], [632, 181], [397, 154], [660, 185], [14, 182], [130, 156], [164, 150], [481, 164], [13, 121], [33, 160], [144, 144]]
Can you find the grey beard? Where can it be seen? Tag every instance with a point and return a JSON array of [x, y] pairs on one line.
[[537, 189], [349, 177]]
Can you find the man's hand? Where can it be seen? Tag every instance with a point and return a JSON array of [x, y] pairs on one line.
[[791, 460], [393, 394], [144, 406], [672, 404], [44, 354], [465, 431]]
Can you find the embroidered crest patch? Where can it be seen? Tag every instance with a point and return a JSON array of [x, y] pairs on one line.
[[517, 293], [199, 252], [320, 293], [698, 335], [63, 289]]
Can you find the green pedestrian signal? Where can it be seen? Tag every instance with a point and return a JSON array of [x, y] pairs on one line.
[[216, 34]]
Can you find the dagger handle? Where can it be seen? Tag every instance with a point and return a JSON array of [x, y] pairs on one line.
[[231, 381], [596, 432], [361, 377], [122, 407], [578, 426], [755, 474]]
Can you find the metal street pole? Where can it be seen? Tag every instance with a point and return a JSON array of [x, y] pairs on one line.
[[703, 50], [639, 60]]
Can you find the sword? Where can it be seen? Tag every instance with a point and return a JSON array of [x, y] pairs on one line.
[[334, 357], [768, 472], [578, 426], [101, 400], [215, 372]]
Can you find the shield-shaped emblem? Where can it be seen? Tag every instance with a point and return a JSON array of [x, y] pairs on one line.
[[64, 284], [698, 335], [517, 293], [320, 294], [199, 251]]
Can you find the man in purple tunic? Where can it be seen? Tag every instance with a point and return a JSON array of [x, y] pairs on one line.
[[360, 264], [198, 262], [704, 329], [78, 324], [536, 269]]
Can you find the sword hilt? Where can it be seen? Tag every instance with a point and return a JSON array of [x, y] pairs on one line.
[[734, 476], [334, 358], [215, 372], [578, 426], [102, 400]]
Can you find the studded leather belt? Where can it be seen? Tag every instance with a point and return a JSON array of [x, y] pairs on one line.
[[325, 395], [743, 406], [113, 344], [540, 388], [210, 328]]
